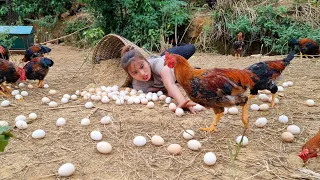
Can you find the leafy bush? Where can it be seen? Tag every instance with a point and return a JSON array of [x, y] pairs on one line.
[[92, 36], [4, 136], [6, 40], [141, 21], [72, 26]]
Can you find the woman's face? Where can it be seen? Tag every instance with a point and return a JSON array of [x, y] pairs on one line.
[[140, 70]]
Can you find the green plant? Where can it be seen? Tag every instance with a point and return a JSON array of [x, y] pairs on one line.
[[74, 26], [92, 36], [7, 40], [4, 136]]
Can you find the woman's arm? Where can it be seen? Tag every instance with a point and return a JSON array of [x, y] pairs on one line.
[[173, 89]]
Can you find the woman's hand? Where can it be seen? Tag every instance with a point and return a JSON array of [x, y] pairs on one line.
[[187, 104]]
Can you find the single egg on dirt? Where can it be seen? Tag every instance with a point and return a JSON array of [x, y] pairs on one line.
[[61, 121], [3, 123], [154, 97], [88, 105], [172, 106], [104, 147], [66, 96], [45, 86], [209, 158], [290, 83], [263, 97], [53, 104], [194, 145], [157, 140], [293, 129], [21, 85], [264, 107], [245, 140], [179, 112], [106, 120], [74, 97], [24, 93], [144, 101], [310, 102], [66, 170], [150, 105], [30, 86], [105, 99], [280, 89], [162, 97], [38, 134], [233, 110], [45, 100], [174, 149], [33, 116], [261, 122], [21, 117], [283, 119], [287, 137], [52, 92], [5, 103], [64, 100], [15, 92], [254, 107], [188, 134], [285, 84], [139, 141], [96, 135], [276, 100], [21, 124], [85, 121], [18, 97], [167, 100], [225, 110]]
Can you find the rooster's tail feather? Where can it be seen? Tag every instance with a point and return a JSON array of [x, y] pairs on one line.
[[46, 62]]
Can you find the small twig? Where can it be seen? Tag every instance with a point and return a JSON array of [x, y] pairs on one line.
[[85, 60], [184, 129], [185, 31], [309, 172], [240, 143], [92, 112]]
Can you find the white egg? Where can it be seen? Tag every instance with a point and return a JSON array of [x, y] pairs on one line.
[[53, 104], [264, 107], [15, 92], [52, 92], [104, 147], [64, 100], [154, 97], [225, 110], [30, 86], [105, 99], [209, 158], [130, 101], [115, 88], [96, 135], [261, 122], [276, 100], [66, 170], [150, 105], [136, 100], [159, 93], [290, 83], [174, 149], [172, 106], [24, 93], [91, 90], [287, 136], [255, 107], [139, 141], [144, 101], [3, 123], [179, 112], [38, 134], [310, 102], [61, 122], [85, 121], [33, 116], [115, 97], [285, 84], [149, 97], [280, 88], [162, 97], [77, 93], [45, 100], [74, 97], [188, 134], [106, 120], [118, 102], [22, 85], [5, 103], [194, 145], [21, 124], [21, 117], [133, 92], [167, 100], [283, 119], [83, 93], [263, 97], [233, 110], [157, 140], [18, 97], [45, 86], [93, 97], [198, 107], [86, 97], [245, 140], [88, 105], [293, 129]]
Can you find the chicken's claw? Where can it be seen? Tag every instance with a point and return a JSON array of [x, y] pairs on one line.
[[209, 129]]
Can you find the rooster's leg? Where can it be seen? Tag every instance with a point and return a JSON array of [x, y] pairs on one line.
[[273, 100], [6, 88], [245, 115], [212, 127], [306, 56], [251, 96], [4, 94], [40, 84], [300, 55]]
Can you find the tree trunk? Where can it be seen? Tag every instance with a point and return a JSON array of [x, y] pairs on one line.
[[10, 17]]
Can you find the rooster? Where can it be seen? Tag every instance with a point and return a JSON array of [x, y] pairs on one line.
[[267, 72], [238, 45], [218, 88], [4, 53], [311, 148], [35, 51], [306, 46], [10, 73], [213, 88], [38, 68]]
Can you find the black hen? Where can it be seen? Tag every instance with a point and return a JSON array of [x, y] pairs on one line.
[[35, 51]]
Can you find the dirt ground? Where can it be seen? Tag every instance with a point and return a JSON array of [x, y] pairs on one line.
[[265, 157]]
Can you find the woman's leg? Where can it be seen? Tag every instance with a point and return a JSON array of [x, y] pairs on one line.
[[186, 51]]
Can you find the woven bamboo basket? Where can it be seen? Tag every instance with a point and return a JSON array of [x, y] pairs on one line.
[[109, 49]]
